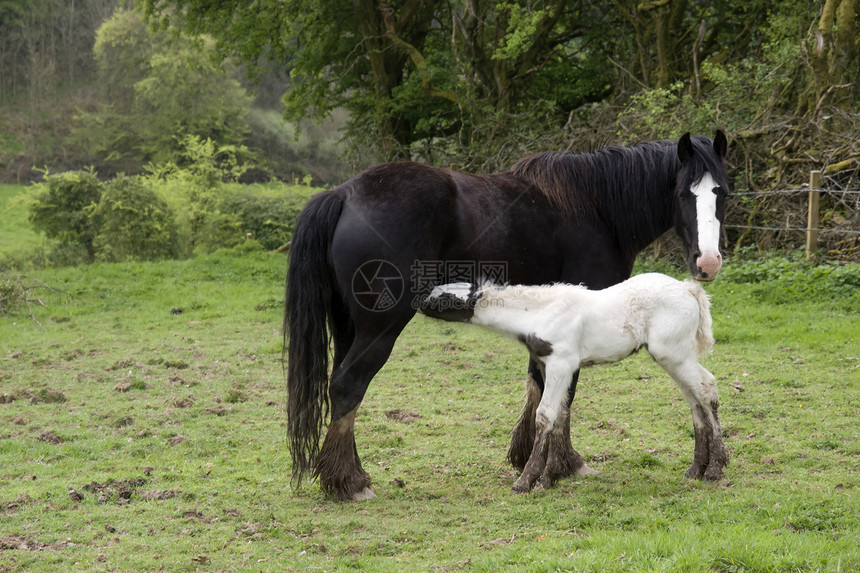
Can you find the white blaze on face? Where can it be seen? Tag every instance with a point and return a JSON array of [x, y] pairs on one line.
[[709, 259]]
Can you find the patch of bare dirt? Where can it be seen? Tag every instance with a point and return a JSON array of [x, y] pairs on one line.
[[402, 416], [176, 440], [50, 437], [19, 542], [158, 494], [13, 506], [123, 364], [119, 491], [195, 514], [218, 411], [185, 402], [126, 386], [47, 396]]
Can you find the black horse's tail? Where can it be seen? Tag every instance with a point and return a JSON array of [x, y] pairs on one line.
[[309, 291]]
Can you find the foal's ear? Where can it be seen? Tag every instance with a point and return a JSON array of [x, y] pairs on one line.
[[721, 144], [685, 148]]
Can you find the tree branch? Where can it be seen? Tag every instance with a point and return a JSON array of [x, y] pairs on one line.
[[414, 55]]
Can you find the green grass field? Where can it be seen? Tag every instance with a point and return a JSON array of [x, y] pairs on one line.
[[15, 233], [142, 428]]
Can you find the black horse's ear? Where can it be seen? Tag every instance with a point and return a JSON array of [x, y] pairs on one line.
[[721, 144], [685, 148]]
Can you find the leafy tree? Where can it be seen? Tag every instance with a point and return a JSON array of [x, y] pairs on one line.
[[834, 54], [64, 209], [156, 89], [443, 81]]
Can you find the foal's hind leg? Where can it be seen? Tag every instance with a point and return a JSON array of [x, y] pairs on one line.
[[708, 432], [699, 387]]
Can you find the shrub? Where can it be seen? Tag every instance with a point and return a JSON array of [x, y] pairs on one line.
[[219, 230], [12, 293], [64, 209], [194, 186], [790, 279], [135, 224], [270, 219]]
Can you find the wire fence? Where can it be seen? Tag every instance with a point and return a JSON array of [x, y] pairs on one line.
[[828, 217], [802, 190], [799, 191]]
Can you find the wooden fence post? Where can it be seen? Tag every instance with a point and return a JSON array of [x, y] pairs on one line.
[[812, 216]]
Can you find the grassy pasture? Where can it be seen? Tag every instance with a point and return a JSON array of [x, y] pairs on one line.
[[142, 428], [16, 235]]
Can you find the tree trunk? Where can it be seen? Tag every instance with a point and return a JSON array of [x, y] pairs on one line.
[[832, 55]]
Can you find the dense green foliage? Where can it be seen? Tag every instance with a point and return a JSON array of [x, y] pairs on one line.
[[469, 84], [65, 209], [780, 279], [88, 83], [479, 83], [269, 219], [142, 428], [175, 211], [156, 89], [134, 223]]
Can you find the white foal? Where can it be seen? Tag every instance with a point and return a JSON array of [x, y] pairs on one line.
[[566, 327]]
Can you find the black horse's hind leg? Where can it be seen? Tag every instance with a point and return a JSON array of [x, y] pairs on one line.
[[561, 459], [338, 465], [342, 332]]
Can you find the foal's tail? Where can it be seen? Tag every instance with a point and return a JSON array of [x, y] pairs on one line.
[[309, 292], [704, 333]]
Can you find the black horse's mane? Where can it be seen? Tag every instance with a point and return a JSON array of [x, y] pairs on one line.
[[619, 183], [580, 182]]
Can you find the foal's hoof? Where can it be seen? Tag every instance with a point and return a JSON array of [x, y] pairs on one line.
[[364, 494], [694, 472], [585, 471], [521, 487], [713, 473]]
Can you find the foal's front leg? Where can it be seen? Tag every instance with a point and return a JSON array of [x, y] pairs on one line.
[[552, 433], [563, 459]]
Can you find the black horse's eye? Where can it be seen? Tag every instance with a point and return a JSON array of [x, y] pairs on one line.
[[720, 192]]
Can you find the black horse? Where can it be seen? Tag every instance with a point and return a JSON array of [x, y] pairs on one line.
[[365, 254]]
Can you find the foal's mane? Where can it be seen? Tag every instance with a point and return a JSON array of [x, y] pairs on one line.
[[515, 296]]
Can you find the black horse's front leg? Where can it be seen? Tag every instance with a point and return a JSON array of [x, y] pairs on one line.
[[523, 436]]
